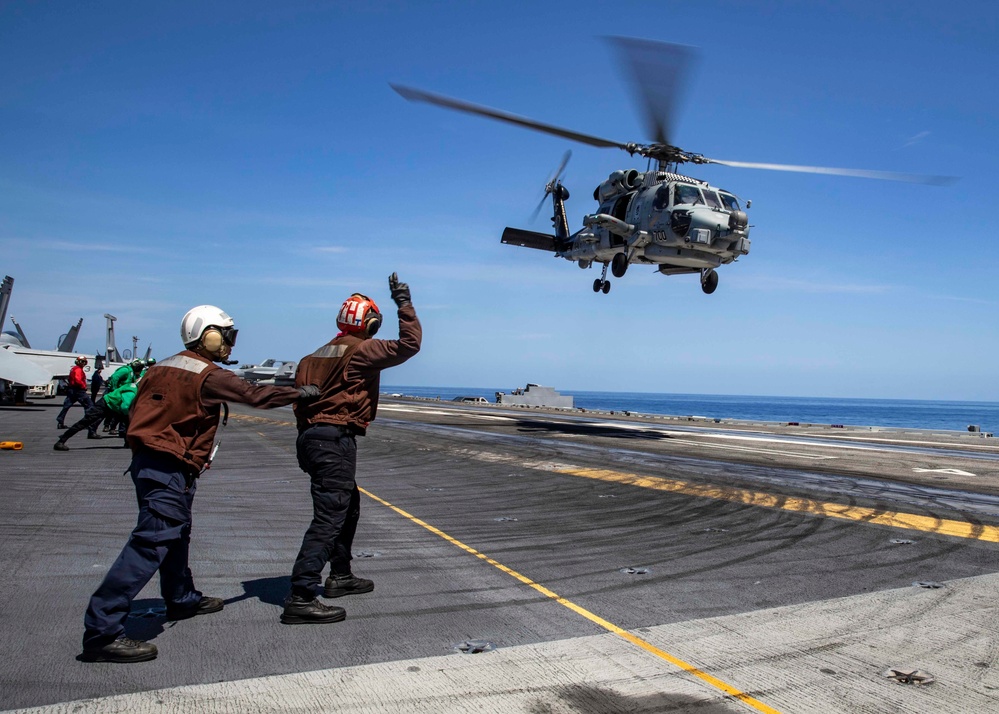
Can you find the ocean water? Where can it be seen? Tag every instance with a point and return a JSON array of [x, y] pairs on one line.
[[907, 413]]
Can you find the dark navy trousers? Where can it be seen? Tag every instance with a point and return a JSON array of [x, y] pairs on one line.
[[74, 396], [160, 541], [92, 419], [329, 455]]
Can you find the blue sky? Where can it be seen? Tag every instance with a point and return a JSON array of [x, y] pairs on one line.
[[251, 155]]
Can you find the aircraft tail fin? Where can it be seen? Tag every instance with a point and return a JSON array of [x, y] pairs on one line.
[[68, 342], [20, 333], [6, 288]]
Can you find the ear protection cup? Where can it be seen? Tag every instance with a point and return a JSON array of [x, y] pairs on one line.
[[212, 340], [372, 323]]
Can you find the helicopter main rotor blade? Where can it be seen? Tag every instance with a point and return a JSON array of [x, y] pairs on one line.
[[858, 173], [659, 71], [417, 95]]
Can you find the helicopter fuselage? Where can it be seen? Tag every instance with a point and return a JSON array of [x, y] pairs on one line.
[[679, 223]]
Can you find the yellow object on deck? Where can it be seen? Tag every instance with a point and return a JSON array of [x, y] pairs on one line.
[[15, 445]]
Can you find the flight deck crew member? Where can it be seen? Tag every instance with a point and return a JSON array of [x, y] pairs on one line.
[[126, 374], [96, 379], [347, 371], [174, 418], [76, 391], [113, 404]]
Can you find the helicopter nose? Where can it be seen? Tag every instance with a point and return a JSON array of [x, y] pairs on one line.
[[708, 225]]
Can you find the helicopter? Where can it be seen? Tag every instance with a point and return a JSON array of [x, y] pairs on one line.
[[659, 217]]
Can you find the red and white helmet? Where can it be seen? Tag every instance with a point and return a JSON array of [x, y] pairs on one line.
[[81, 361], [359, 315]]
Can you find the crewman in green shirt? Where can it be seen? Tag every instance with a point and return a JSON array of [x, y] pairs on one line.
[[113, 405]]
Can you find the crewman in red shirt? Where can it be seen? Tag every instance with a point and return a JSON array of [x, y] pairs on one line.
[[76, 391]]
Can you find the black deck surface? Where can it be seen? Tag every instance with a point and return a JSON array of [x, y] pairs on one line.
[[65, 516]]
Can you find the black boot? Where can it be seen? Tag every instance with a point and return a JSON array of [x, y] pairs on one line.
[[205, 606], [349, 584], [121, 650], [303, 611], [60, 446], [60, 425], [93, 435]]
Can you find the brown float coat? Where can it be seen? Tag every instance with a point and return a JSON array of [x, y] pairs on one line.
[[347, 371], [176, 409]]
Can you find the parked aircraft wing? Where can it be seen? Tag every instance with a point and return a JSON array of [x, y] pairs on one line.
[[528, 239], [20, 370]]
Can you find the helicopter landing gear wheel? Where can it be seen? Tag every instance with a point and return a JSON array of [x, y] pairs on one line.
[[709, 281], [619, 265], [602, 283]]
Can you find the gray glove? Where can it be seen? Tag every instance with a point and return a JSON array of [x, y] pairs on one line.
[[309, 393], [400, 291]]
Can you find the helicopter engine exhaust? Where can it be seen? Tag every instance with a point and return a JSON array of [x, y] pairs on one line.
[[619, 182]]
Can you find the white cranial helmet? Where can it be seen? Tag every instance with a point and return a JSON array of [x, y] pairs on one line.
[[200, 317]]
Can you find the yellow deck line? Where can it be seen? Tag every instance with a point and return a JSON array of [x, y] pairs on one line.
[[909, 521], [893, 519], [596, 619]]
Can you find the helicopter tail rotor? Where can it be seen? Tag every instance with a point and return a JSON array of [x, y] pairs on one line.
[[554, 183]]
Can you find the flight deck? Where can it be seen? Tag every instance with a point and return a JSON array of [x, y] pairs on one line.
[[530, 560]]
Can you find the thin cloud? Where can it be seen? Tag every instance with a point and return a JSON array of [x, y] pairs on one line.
[[956, 298], [299, 282], [318, 306], [86, 247], [916, 138], [82, 247], [533, 336], [789, 284]]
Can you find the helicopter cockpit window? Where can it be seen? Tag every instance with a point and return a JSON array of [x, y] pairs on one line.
[[686, 193], [712, 199], [730, 201], [662, 198]]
